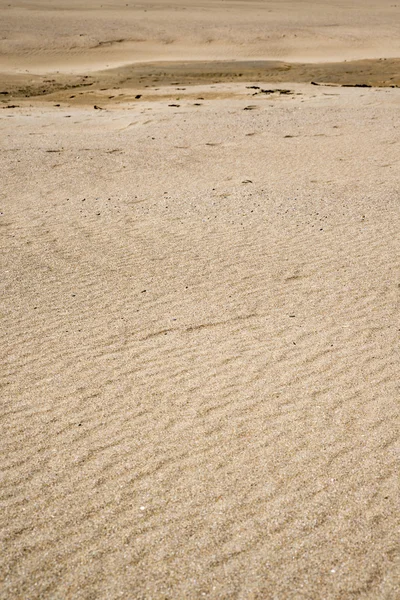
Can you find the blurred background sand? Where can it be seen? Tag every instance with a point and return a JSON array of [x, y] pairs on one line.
[[199, 300], [72, 35]]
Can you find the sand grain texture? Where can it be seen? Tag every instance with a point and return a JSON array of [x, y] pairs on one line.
[[200, 340]]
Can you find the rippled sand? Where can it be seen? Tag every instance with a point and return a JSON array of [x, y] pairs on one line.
[[199, 330]]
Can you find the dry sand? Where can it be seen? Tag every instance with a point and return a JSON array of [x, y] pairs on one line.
[[200, 300], [67, 34]]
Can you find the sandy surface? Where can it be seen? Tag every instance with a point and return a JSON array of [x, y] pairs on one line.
[[67, 35], [199, 308]]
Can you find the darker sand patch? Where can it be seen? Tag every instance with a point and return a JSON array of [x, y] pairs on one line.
[[368, 73]]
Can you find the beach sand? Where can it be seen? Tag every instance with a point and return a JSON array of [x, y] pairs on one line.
[[200, 300]]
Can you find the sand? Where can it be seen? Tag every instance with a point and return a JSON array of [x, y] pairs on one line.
[[68, 34], [199, 301]]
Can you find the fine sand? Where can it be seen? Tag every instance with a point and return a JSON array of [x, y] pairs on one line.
[[65, 35], [200, 296]]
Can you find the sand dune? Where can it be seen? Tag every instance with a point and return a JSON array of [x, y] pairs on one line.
[[199, 301]]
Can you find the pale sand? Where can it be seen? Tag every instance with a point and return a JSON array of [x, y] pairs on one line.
[[68, 34], [200, 335]]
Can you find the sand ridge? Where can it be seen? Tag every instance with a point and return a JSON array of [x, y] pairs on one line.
[[143, 81]]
